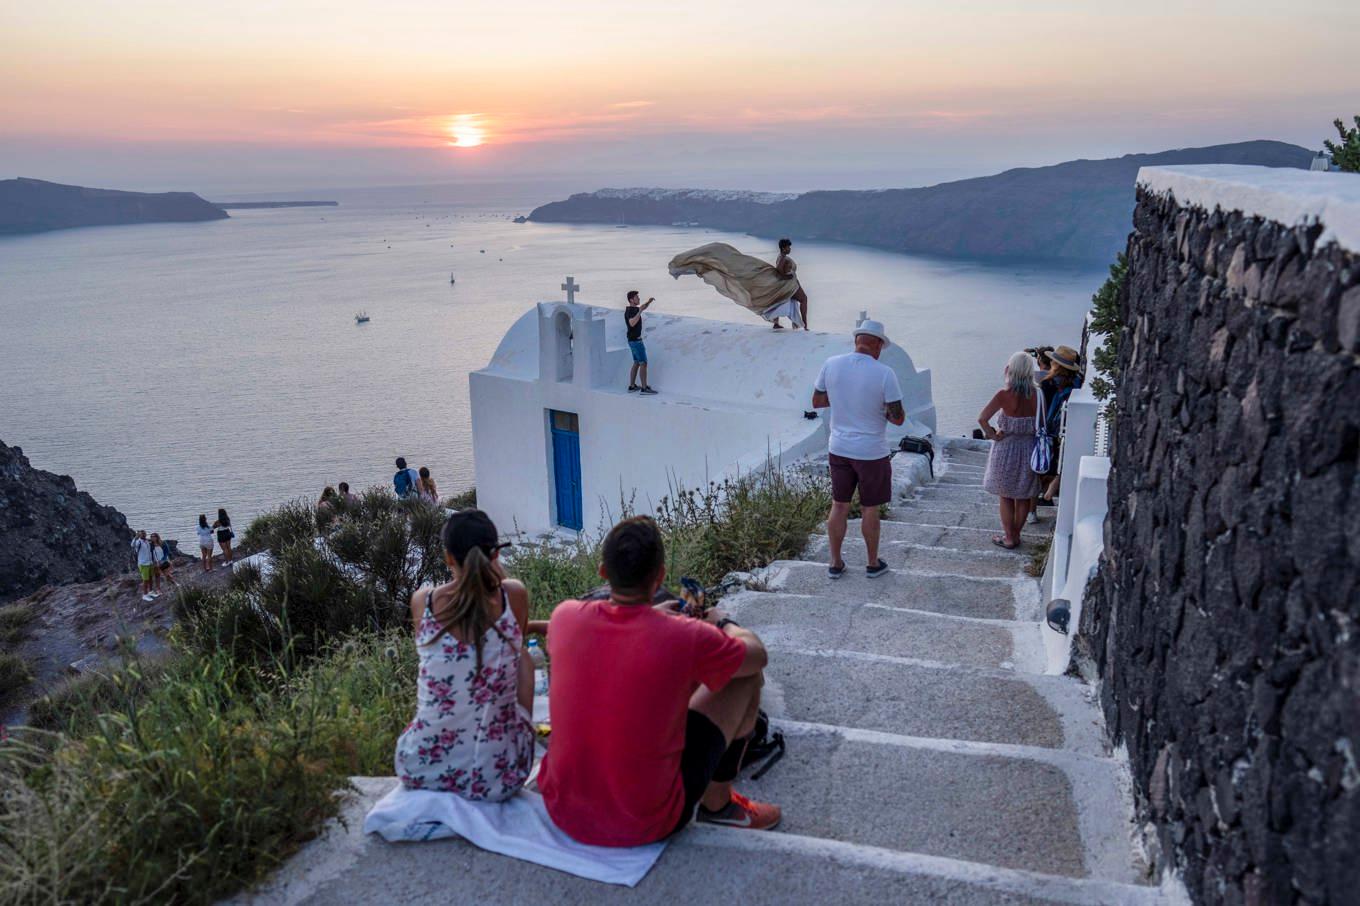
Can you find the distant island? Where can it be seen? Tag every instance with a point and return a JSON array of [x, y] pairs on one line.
[[1074, 212], [243, 205], [35, 206]]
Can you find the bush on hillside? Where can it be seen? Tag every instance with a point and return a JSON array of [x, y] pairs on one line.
[[1346, 153], [190, 788], [1105, 306]]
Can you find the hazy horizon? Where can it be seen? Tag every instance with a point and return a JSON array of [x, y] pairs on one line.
[[260, 98]]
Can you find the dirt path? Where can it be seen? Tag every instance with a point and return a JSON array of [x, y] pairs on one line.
[[81, 627]]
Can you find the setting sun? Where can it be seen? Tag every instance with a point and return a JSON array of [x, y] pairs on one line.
[[465, 131]]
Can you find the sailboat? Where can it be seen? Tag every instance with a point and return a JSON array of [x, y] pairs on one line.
[[361, 318], [451, 280]]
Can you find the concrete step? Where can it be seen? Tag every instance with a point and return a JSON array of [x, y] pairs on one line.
[[1003, 811], [942, 536], [703, 865], [960, 479], [979, 517], [966, 458], [788, 621], [953, 493], [997, 599], [1003, 564], [898, 695]]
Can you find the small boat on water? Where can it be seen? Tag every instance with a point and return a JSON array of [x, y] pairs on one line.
[[451, 280], [361, 318]]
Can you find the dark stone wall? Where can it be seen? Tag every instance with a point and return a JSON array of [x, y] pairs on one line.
[[1224, 621]]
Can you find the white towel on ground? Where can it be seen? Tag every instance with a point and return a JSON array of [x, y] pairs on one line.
[[519, 828]]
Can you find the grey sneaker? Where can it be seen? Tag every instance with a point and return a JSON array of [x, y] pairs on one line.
[[835, 572], [879, 569], [647, 391]]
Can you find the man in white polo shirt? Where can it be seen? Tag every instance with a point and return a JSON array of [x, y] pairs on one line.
[[863, 395]]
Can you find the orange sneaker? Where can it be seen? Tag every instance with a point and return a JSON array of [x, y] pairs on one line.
[[742, 812]]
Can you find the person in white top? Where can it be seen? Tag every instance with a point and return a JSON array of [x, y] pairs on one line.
[[864, 396], [145, 564], [205, 542]]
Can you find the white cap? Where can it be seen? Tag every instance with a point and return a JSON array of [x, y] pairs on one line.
[[873, 329]]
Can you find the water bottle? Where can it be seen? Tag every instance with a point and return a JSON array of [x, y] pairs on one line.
[[540, 667]]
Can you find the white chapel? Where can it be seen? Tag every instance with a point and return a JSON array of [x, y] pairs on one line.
[[559, 442]]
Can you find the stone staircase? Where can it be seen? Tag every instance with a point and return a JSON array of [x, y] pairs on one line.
[[930, 758]]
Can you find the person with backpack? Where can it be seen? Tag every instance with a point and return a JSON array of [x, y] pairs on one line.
[[651, 709], [407, 481], [146, 565], [164, 563]]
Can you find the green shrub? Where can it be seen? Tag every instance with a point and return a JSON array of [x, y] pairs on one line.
[[15, 620], [292, 523], [1105, 306], [554, 573], [75, 705], [187, 789], [14, 673], [463, 500], [1346, 154]]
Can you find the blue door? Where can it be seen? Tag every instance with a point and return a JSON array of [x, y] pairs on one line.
[[566, 447]]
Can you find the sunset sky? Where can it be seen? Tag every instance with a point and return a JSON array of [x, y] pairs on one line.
[[268, 96]]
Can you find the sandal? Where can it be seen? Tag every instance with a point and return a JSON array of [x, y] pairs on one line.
[[1001, 542]]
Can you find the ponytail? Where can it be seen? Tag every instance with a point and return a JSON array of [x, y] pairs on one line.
[[468, 611]]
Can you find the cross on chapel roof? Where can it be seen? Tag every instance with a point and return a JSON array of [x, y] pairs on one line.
[[571, 287]]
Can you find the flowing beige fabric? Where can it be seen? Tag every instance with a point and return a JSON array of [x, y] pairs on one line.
[[747, 281]]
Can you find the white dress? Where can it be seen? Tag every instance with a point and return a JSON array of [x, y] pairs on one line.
[[470, 735]]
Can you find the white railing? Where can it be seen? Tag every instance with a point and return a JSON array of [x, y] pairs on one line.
[[1082, 503]]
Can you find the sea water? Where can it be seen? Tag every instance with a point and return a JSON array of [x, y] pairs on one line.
[[175, 368]]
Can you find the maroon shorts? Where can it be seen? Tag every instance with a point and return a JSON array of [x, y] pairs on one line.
[[873, 477]]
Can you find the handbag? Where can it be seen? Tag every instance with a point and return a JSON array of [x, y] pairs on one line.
[[920, 445], [1041, 458]]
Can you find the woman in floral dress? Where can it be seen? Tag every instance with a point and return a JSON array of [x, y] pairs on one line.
[[473, 733], [1008, 474]]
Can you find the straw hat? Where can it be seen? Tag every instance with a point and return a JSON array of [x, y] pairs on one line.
[[1065, 357]]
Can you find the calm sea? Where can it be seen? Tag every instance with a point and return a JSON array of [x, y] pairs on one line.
[[175, 368]]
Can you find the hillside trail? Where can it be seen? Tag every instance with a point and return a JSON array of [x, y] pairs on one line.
[[930, 757]]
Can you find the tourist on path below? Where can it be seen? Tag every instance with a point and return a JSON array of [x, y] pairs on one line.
[[429, 492], [405, 482], [1064, 376], [1009, 475], [146, 564], [864, 396], [205, 542], [788, 269], [345, 495], [325, 507], [651, 709], [224, 535], [632, 317], [473, 731], [165, 567]]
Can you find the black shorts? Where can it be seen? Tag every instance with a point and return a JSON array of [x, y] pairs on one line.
[[704, 749], [873, 477]]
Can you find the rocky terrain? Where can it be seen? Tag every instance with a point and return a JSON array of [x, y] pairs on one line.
[[35, 206], [54, 533], [1078, 211]]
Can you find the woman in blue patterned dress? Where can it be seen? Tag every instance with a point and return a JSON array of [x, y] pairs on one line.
[[1009, 475], [473, 733]]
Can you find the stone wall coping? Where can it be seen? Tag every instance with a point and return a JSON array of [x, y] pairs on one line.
[[1281, 194]]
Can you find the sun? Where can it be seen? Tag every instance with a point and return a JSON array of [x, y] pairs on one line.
[[465, 130]]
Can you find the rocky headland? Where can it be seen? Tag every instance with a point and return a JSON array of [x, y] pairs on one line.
[[54, 533], [1077, 212], [35, 206]]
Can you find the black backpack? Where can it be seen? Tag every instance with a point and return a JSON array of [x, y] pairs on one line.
[[920, 445], [765, 748]]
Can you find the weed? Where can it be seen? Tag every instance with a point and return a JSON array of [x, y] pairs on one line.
[[15, 620], [14, 673]]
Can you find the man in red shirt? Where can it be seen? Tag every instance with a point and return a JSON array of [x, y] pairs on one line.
[[651, 709]]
